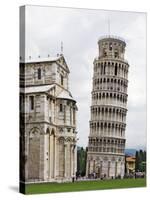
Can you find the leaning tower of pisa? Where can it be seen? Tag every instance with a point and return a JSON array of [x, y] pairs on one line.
[[106, 143]]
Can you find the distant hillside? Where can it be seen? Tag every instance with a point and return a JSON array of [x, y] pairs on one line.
[[130, 152]]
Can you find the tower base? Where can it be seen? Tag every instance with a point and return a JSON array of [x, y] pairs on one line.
[[105, 166]]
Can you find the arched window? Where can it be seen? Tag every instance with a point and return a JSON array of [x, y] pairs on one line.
[[61, 79], [110, 46], [31, 102], [104, 53], [104, 67], [39, 73], [116, 54], [97, 96], [104, 70], [101, 68], [116, 70], [121, 98], [60, 107]]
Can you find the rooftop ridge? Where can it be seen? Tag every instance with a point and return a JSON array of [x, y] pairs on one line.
[[112, 37], [40, 59]]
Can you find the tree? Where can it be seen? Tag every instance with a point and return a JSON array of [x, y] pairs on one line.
[[81, 161], [140, 156], [140, 163], [125, 166], [144, 156], [136, 161]]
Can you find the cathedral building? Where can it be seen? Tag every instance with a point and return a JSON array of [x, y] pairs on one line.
[[47, 121], [106, 144]]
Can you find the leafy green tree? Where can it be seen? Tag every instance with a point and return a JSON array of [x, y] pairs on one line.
[[136, 161], [81, 161], [125, 166], [144, 156], [140, 163], [140, 156]]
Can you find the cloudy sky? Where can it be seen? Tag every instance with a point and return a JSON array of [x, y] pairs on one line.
[[80, 29]]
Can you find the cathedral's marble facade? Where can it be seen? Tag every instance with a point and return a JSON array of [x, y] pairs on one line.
[[105, 157], [47, 121]]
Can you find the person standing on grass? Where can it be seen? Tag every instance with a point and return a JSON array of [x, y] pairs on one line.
[[73, 177]]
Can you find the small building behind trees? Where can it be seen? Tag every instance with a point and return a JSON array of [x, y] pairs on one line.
[[135, 163], [130, 164]]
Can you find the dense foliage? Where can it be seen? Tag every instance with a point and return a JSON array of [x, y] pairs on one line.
[[81, 161], [140, 163]]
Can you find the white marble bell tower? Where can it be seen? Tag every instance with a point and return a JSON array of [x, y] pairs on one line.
[[106, 157]]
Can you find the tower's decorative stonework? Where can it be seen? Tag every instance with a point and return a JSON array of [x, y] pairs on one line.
[[47, 121], [105, 157]]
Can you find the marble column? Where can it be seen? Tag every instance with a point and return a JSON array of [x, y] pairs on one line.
[[54, 164], [65, 160], [71, 160]]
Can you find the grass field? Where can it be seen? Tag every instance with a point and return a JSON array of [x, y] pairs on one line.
[[84, 185]]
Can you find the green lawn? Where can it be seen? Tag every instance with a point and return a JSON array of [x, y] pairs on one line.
[[84, 185]]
